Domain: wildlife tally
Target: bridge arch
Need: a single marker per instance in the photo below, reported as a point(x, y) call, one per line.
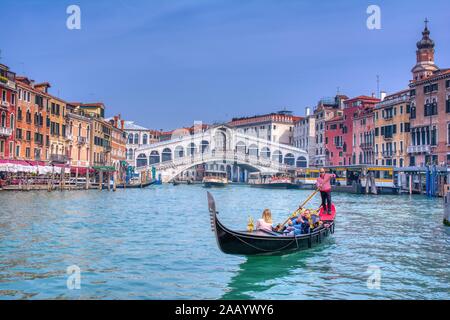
point(277, 156)
point(141, 160)
point(301, 162)
point(253, 150)
point(191, 149)
point(265, 153)
point(241, 147)
point(289, 159)
point(179, 152)
point(154, 157)
point(204, 146)
point(166, 155)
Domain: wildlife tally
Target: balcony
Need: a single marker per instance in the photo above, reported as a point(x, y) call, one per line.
point(419, 149)
point(5, 132)
point(388, 137)
point(81, 140)
point(107, 148)
point(58, 158)
point(387, 154)
point(69, 137)
point(366, 146)
point(4, 104)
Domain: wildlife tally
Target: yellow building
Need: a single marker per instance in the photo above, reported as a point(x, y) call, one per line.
point(101, 134)
point(392, 130)
point(79, 139)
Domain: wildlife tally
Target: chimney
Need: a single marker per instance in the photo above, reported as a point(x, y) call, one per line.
point(383, 95)
point(122, 124)
point(308, 111)
point(116, 118)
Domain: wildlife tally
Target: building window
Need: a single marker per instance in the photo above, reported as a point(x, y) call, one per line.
point(413, 112)
point(430, 109)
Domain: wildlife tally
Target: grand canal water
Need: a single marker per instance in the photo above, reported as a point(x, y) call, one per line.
point(156, 243)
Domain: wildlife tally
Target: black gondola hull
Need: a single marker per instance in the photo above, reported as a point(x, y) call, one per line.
point(258, 242)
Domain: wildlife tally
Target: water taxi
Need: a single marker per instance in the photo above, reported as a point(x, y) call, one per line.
point(215, 179)
point(270, 180)
point(352, 179)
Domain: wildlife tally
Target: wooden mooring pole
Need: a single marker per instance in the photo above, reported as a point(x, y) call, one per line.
point(447, 205)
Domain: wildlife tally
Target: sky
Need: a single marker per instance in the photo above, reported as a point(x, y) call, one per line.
point(167, 63)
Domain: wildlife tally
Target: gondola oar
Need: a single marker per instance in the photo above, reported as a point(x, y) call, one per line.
point(280, 227)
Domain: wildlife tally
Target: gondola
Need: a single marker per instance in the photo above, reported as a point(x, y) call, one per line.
point(261, 242)
point(135, 185)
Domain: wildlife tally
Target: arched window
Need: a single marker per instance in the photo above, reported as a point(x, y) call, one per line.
point(79, 129)
point(253, 150)
point(265, 153)
point(166, 155)
point(241, 148)
point(277, 156)
point(145, 139)
point(141, 160)
point(11, 121)
point(301, 162)
point(204, 146)
point(70, 127)
point(154, 157)
point(136, 138)
point(179, 152)
point(3, 119)
point(289, 159)
point(192, 149)
point(130, 138)
point(88, 134)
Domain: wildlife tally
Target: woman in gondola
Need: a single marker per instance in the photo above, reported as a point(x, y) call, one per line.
point(265, 223)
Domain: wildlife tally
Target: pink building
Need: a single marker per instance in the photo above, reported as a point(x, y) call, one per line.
point(364, 137)
point(334, 150)
point(353, 107)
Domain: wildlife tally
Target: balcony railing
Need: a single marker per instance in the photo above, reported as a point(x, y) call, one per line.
point(81, 140)
point(4, 104)
point(419, 149)
point(366, 145)
point(58, 158)
point(5, 131)
point(388, 154)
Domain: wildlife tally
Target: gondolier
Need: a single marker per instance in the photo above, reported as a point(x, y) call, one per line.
point(324, 185)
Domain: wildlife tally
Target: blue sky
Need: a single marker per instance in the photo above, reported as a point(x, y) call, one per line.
point(166, 63)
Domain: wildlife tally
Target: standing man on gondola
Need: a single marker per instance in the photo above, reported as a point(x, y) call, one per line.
point(324, 186)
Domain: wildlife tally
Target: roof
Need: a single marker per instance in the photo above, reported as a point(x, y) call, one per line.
point(130, 125)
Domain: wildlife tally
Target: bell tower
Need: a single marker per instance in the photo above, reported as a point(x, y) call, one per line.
point(425, 66)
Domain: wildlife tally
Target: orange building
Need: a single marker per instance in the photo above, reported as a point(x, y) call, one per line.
point(32, 130)
point(56, 121)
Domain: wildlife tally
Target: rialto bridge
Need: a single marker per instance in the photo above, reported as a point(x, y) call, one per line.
point(219, 148)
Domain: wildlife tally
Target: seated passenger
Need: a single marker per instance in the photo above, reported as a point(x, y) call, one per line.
point(265, 223)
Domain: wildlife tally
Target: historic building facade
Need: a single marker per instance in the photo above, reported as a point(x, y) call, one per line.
point(430, 107)
point(392, 130)
point(305, 134)
point(353, 107)
point(7, 111)
point(137, 137)
point(79, 137)
point(276, 127)
point(327, 109)
point(364, 137)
